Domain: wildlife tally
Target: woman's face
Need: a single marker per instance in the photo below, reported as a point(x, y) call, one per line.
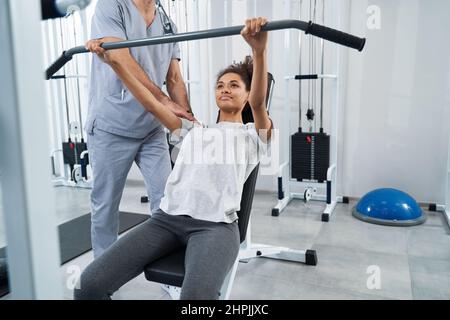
point(231, 95)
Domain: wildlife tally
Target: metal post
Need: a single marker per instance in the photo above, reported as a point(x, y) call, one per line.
point(322, 68)
point(447, 200)
point(287, 109)
point(33, 247)
point(335, 107)
point(60, 121)
point(300, 36)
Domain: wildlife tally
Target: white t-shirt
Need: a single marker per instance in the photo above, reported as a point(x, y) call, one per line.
point(212, 166)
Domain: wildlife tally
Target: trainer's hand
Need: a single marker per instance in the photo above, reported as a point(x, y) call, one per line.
point(94, 46)
point(180, 112)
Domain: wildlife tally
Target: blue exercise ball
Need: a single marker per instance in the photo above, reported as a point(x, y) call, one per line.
point(389, 207)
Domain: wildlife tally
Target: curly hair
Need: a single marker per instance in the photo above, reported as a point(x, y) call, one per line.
point(244, 69)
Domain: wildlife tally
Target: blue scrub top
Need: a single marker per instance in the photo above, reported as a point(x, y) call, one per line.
point(112, 108)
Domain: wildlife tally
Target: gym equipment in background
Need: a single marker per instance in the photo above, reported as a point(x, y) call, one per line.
point(75, 155)
point(310, 151)
point(70, 158)
point(311, 159)
point(326, 33)
point(389, 207)
point(52, 9)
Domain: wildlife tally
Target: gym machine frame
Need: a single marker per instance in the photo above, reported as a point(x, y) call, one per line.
point(444, 208)
point(248, 250)
point(70, 159)
point(286, 183)
point(447, 200)
point(285, 195)
point(28, 198)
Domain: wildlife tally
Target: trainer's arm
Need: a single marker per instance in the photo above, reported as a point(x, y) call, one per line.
point(143, 95)
point(126, 61)
point(176, 86)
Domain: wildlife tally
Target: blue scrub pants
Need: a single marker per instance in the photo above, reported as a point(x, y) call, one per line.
point(111, 157)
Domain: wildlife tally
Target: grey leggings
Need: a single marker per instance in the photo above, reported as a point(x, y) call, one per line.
point(211, 251)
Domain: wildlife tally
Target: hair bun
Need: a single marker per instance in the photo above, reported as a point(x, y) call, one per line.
point(248, 64)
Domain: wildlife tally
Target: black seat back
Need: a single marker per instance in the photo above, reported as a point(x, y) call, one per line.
point(246, 203)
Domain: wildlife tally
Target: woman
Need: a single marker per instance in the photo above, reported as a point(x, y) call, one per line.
point(204, 190)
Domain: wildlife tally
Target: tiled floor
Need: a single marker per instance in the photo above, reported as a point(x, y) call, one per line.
point(413, 263)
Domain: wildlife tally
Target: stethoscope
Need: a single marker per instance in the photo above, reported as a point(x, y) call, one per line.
point(165, 20)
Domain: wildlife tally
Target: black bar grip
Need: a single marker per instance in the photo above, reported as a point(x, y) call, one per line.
point(337, 36)
point(57, 65)
point(307, 77)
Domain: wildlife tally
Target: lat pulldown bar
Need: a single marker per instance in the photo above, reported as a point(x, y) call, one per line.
point(320, 31)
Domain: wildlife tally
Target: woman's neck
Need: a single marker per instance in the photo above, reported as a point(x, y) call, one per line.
point(230, 117)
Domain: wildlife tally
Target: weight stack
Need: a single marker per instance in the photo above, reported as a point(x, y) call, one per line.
point(310, 156)
point(69, 152)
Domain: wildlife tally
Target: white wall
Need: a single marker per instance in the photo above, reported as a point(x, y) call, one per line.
point(398, 99)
